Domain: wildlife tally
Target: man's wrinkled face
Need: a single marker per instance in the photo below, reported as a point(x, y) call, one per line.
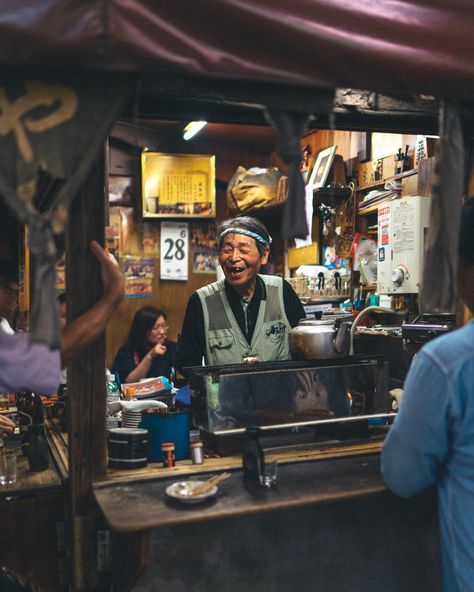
point(240, 260)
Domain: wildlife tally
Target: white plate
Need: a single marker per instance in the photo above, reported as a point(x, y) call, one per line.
point(174, 491)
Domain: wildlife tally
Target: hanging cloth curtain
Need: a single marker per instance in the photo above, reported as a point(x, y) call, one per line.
point(438, 291)
point(52, 125)
point(291, 127)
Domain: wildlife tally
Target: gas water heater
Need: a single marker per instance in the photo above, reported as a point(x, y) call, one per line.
point(402, 226)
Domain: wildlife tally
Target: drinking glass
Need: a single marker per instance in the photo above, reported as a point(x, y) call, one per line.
point(8, 467)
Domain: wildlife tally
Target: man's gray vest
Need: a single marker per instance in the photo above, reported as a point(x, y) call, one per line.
point(225, 342)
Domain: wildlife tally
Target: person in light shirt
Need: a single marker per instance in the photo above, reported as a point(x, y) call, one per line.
point(25, 365)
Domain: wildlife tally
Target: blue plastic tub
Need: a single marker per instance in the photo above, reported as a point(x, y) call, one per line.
point(170, 427)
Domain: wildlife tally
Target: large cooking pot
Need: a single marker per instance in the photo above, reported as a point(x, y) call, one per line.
point(316, 340)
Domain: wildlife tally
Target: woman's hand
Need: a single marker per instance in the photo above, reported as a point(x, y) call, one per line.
point(158, 350)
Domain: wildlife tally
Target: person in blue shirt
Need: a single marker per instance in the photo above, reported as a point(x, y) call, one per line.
point(432, 438)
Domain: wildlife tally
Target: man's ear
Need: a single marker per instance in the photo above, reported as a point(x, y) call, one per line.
point(264, 258)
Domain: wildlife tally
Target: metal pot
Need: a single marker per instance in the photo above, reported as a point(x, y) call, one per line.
point(315, 340)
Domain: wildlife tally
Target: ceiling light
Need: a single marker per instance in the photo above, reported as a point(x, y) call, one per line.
point(193, 128)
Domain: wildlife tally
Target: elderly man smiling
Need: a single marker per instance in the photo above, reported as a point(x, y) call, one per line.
point(245, 317)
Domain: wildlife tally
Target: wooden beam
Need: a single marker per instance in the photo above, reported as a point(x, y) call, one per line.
point(86, 377)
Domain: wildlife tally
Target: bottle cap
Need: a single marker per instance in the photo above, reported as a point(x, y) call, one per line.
point(167, 446)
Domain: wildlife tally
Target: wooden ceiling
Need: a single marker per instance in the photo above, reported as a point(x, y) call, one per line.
point(254, 138)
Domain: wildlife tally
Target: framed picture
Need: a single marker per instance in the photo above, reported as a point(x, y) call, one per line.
point(121, 190)
point(321, 168)
point(178, 185)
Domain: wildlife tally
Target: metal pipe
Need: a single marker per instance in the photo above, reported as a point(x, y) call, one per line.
point(297, 424)
point(362, 314)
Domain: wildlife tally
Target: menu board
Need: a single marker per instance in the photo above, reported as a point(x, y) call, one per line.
point(178, 185)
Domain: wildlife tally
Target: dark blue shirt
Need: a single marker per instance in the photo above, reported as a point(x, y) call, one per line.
point(124, 362)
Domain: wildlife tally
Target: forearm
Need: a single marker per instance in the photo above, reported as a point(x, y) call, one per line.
point(141, 370)
point(85, 330)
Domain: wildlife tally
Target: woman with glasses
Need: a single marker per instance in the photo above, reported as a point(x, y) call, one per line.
point(147, 352)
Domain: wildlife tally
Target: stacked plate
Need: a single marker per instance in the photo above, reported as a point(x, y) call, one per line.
point(131, 419)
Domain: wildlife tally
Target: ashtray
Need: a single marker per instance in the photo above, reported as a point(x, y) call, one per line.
point(188, 492)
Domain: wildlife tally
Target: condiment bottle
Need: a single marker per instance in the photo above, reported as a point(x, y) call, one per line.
point(167, 451)
point(197, 452)
point(130, 392)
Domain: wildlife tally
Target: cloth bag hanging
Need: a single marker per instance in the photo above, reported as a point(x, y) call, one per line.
point(254, 188)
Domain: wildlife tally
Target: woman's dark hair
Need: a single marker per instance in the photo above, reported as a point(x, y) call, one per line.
point(248, 223)
point(142, 324)
point(466, 233)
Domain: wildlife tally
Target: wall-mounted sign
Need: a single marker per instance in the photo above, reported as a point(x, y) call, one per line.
point(138, 273)
point(204, 247)
point(308, 255)
point(174, 247)
point(178, 185)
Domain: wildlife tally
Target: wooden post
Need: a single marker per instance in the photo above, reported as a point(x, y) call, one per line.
point(86, 379)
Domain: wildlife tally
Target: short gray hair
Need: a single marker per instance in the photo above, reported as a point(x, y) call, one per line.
point(248, 223)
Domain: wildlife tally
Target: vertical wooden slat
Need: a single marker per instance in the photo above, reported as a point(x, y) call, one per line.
point(86, 377)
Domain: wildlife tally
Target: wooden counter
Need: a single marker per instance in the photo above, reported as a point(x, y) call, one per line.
point(305, 476)
point(32, 483)
point(31, 516)
point(330, 524)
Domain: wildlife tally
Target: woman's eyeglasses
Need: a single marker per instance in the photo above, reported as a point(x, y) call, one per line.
point(163, 326)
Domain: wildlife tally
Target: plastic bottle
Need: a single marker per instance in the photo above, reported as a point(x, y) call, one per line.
point(113, 396)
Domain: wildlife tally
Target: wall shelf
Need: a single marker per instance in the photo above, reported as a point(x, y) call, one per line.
point(376, 184)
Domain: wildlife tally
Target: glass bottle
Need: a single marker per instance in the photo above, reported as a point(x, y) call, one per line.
point(38, 458)
point(30, 410)
point(253, 460)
